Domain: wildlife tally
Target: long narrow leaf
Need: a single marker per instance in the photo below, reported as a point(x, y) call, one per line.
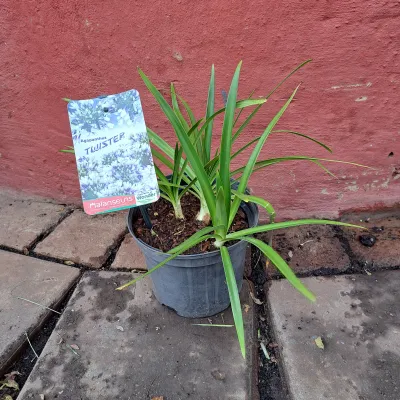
point(234, 298)
point(325, 169)
point(171, 185)
point(185, 142)
point(199, 234)
point(163, 182)
point(281, 265)
point(221, 214)
point(304, 136)
point(187, 244)
point(226, 139)
point(246, 122)
point(245, 147)
point(287, 77)
point(177, 159)
point(254, 155)
point(160, 143)
point(241, 110)
point(188, 188)
point(258, 200)
point(251, 116)
point(175, 107)
point(239, 104)
point(286, 224)
point(162, 158)
point(167, 149)
point(209, 112)
point(188, 109)
point(265, 163)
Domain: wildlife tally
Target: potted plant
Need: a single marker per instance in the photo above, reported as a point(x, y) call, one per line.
point(205, 283)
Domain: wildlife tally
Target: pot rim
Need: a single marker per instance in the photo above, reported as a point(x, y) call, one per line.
point(134, 210)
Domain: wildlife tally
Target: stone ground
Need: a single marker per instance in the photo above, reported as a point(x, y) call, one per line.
point(358, 321)
point(124, 345)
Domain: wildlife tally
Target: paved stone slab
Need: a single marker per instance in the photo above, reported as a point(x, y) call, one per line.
point(41, 281)
point(22, 221)
point(386, 252)
point(358, 319)
point(129, 256)
point(84, 239)
point(309, 249)
point(131, 347)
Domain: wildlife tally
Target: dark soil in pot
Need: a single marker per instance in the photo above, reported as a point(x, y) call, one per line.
point(170, 231)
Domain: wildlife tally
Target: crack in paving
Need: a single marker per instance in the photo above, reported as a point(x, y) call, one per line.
point(113, 250)
point(271, 380)
point(24, 360)
point(30, 248)
point(83, 267)
point(356, 266)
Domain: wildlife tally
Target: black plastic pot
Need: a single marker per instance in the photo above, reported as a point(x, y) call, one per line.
point(194, 285)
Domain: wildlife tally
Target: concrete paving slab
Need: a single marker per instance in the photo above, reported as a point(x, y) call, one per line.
point(129, 256)
point(358, 319)
point(385, 252)
point(84, 239)
point(309, 249)
point(37, 280)
point(22, 221)
point(131, 347)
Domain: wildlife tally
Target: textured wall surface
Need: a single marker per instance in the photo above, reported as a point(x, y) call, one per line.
point(80, 49)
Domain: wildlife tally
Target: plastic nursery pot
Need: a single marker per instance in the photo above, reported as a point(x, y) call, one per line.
point(194, 285)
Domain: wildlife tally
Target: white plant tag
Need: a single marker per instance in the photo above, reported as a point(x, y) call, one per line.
point(113, 154)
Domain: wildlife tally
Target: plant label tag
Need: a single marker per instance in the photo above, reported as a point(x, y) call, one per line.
point(113, 155)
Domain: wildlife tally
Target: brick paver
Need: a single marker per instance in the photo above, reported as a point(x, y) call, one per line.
point(129, 256)
point(84, 239)
point(309, 249)
point(23, 221)
point(385, 252)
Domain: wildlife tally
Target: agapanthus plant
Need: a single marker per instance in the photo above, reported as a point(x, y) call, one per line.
point(183, 177)
point(210, 178)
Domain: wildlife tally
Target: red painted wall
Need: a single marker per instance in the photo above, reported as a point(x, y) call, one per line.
point(80, 49)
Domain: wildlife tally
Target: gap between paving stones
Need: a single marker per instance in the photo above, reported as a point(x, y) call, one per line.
point(112, 250)
point(28, 250)
point(82, 267)
point(356, 266)
point(85, 240)
point(271, 380)
point(24, 221)
point(43, 235)
point(23, 359)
